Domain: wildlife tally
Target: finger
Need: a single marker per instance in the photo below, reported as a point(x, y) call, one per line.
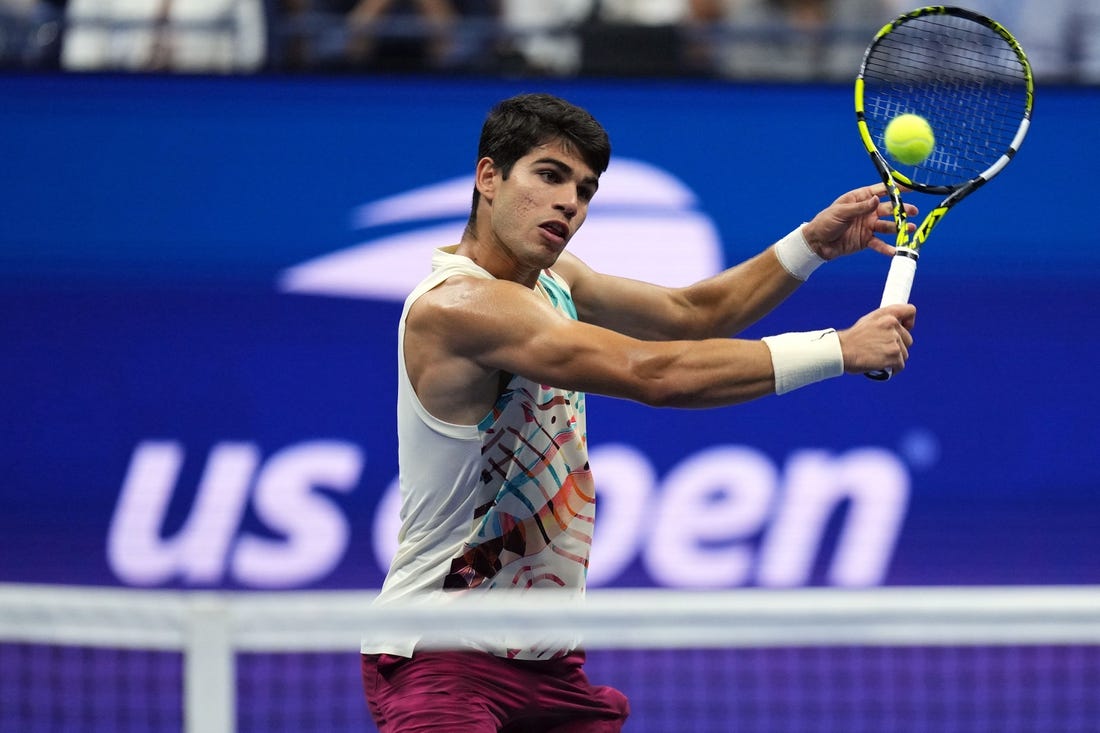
point(881, 247)
point(886, 208)
point(865, 203)
point(910, 318)
point(902, 312)
point(878, 190)
point(853, 210)
point(884, 226)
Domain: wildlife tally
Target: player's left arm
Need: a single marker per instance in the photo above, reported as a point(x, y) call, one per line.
point(722, 305)
point(729, 302)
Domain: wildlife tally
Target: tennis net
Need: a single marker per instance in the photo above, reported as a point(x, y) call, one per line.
point(894, 660)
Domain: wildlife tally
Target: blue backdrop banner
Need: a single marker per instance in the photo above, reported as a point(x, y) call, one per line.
point(200, 281)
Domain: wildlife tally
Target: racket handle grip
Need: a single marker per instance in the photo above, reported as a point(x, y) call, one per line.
point(899, 284)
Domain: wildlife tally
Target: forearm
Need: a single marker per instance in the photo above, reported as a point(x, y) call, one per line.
point(720, 372)
point(680, 373)
point(700, 374)
point(738, 297)
point(717, 307)
point(714, 372)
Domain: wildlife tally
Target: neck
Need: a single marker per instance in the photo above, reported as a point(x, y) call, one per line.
point(488, 252)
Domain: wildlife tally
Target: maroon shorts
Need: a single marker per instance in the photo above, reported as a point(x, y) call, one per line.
point(475, 692)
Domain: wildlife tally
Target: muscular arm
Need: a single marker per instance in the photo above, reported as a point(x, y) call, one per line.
point(736, 298)
point(723, 305)
point(461, 337)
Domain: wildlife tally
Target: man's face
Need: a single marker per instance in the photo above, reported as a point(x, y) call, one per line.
point(542, 203)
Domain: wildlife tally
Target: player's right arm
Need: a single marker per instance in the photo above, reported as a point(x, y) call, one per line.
point(461, 337)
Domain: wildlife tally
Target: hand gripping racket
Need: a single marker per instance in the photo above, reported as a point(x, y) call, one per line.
point(970, 79)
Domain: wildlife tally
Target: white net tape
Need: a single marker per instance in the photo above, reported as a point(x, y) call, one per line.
point(235, 660)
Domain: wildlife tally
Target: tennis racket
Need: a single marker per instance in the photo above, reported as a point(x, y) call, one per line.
point(970, 79)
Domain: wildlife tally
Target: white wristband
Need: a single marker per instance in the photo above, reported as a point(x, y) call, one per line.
point(795, 255)
point(803, 358)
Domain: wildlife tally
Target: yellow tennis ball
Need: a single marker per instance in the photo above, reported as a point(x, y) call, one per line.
point(909, 139)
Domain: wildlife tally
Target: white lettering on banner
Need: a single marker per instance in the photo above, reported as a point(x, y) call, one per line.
point(711, 506)
point(726, 516)
point(314, 531)
point(135, 550)
point(875, 485)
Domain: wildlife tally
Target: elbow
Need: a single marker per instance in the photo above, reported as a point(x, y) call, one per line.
point(656, 383)
point(691, 325)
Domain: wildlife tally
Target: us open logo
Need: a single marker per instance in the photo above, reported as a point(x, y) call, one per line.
point(644, 224)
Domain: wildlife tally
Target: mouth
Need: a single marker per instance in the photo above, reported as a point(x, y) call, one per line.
point(559, 230)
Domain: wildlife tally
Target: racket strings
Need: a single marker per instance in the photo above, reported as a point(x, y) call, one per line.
point(964, 77)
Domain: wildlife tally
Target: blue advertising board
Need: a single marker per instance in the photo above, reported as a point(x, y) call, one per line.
point(200, 281)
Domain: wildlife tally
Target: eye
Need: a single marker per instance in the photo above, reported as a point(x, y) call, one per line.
point(550, 175)
point(586, 192)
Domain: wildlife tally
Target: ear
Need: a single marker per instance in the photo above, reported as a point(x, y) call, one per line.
point(485, 178)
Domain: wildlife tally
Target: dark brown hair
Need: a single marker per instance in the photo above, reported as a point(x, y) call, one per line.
point(519, 124)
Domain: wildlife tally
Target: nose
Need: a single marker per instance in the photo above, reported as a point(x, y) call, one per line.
point(568, 203)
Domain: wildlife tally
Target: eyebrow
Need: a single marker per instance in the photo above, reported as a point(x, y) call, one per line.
point(593, 181)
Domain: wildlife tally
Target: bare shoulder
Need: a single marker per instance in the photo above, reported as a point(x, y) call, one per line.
point(465, 307)
point(446, 330)
point(462, 335)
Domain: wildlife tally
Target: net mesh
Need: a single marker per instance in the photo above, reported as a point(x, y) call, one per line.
point(311, 691)
point(906, 666)
point(47, 688)
point(858, 689)
point(964, 77)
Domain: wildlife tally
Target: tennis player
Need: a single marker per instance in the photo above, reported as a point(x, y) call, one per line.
point(497, 348)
